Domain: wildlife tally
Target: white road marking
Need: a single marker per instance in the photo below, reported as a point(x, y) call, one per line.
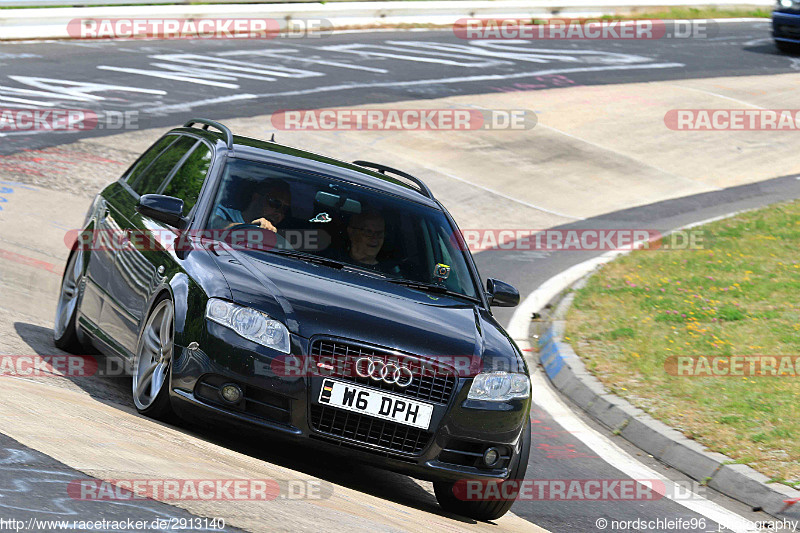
point(238, 67)
point(189, 75)
point(756, 42)
point(614, 456)
point(17, 456)
point(493, 53)
point(794, 63)
point(625, 156)
point(59, 90)
point(8, 101)
point(188, 106)
point(434, 81)
point(422, 56)
point(507, 197)
point(548, 399)
point(717, 95)
point(192, 68)
point(279, 54)
point(80, 90)
point(507, 50)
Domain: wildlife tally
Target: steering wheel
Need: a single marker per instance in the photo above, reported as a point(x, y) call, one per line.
point(244, 225)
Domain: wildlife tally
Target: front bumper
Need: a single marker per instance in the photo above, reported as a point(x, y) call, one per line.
point(288, 406)
point(786, 26)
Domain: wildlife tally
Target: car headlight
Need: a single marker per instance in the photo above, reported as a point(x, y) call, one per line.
point(251, 324)
point(500, 386)
point(785, 3)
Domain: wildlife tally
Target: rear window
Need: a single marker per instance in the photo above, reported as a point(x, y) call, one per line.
point(188, 180)
point(148, 157)
point(151, 179)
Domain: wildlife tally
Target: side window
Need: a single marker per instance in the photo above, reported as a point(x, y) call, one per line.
point(152, 178)
point(148, 157)
point(188, 180)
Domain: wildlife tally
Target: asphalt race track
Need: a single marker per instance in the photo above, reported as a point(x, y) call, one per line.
point(168, 82)
point(168, 79)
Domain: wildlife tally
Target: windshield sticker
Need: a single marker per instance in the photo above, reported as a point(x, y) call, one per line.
point(322, 217)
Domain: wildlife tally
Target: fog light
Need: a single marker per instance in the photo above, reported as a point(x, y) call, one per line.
point(491, 456)
point(231, 393)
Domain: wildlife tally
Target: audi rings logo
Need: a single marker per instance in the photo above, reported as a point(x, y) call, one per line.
point(390, 372)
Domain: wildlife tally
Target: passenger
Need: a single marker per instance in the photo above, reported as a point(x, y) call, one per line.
point(366, 233)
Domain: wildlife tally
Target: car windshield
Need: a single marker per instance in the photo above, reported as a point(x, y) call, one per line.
point(311, 217)
point(308, 216)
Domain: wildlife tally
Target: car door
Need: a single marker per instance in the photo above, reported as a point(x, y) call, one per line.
point(134, 270)
point(102, 249)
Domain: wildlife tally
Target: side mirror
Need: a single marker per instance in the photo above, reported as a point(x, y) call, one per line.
point(501, 294)
point(166, 209)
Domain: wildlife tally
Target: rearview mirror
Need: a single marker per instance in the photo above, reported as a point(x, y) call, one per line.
point(501, 294)
point(334, 201)
point(166, 209)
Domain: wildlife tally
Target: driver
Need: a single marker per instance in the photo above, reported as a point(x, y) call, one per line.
point(266, 209)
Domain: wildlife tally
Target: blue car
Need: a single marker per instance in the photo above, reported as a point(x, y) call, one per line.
point(786, 25)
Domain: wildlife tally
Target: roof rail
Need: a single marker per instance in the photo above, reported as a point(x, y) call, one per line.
point(206, 123)
point(383, 169)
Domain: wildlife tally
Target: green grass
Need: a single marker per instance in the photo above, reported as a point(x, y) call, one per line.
point(704, 13)
point(739, 296)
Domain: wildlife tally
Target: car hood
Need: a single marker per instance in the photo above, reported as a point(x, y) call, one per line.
point(318, 300)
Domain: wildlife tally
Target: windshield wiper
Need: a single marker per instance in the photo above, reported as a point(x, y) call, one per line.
point(430, 287)
point(318, 259)
point(309, 258)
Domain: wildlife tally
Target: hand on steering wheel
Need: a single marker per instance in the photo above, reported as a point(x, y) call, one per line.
point(263, 223)
point(242, 225)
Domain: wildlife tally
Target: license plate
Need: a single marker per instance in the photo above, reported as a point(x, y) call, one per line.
point(376, 403)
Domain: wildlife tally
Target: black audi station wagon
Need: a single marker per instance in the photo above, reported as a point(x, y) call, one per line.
point(329, 302)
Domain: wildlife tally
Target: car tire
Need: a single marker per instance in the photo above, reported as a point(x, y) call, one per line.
point(152, 363)
point(65, 333)
point(486, 509)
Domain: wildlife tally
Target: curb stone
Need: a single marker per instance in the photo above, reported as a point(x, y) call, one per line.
point(568, 374)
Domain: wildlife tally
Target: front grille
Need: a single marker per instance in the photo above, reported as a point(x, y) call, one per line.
point(432, 382)
point(369, 430)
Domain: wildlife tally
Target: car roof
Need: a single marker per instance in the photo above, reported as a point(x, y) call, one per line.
point(272, 152)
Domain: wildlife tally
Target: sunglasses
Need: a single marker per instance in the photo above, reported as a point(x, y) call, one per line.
point(277, 204)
